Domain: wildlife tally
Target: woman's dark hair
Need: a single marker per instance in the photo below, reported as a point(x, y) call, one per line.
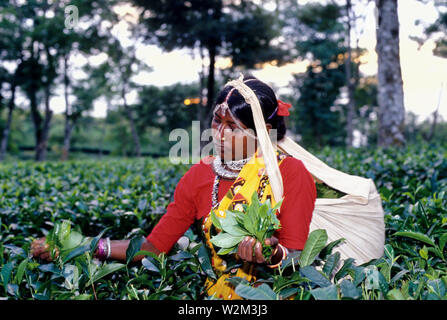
point(267, 100)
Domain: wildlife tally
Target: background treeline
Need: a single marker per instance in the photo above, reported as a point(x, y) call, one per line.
point(49, 49)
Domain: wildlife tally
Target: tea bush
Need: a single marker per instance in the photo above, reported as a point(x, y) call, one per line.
point(126, 198)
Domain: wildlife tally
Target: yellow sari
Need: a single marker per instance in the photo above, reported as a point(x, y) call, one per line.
point(251, 178)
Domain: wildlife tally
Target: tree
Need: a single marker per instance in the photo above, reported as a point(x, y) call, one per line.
point(40, 42)
point(117, 72)
point(349, 82)
point(365, 97)
point(240, 30)
point(11, 43)
point(319, 36)
point(83, 40)
point(390, 87)
point(85, 94)
point(6, 129)
point(164, 108)
point(437, 30)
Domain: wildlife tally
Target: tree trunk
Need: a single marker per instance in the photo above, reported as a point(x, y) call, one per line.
point(212, 51)
point(390, 89)
point(202, 107)
point(42, 141)
point(6, 130)
point(69, 123)
point(37, 119)
point(349, 81)
point(136, 139)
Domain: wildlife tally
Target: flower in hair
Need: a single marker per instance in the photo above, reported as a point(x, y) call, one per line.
point(283, 108)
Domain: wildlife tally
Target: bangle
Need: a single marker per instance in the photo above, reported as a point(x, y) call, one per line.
point(102, 255)
point(284, 255)
point(100, 250)
point(109, 248)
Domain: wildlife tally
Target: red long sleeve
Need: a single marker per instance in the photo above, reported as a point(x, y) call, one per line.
point(192, 200)
point(298, 204)
point(179, 216)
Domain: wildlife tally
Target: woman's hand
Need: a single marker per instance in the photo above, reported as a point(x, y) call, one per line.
point(251, 250)
point(40, 249)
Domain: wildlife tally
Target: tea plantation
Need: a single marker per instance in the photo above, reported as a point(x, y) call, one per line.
point(125, 199)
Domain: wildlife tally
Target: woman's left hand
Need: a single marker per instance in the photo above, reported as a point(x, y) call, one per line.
point(251, 250)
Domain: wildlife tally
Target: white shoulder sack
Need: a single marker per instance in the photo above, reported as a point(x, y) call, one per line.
point(358, 217)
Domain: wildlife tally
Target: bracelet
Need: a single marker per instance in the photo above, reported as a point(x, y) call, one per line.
point(100, 252)
point(284, 255)
point(104, 249)
point(109, 248)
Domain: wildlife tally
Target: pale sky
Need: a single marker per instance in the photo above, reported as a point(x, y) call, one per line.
point(423, 74)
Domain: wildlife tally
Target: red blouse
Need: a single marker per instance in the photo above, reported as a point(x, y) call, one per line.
point(192, 200)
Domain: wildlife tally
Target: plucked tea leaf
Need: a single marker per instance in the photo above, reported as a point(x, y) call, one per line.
point(235, 230)
point(215, 220)
point(259, 221)
point(226, 240)
point(224, 251)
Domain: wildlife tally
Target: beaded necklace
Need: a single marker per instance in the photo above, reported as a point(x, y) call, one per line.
point(222, 172)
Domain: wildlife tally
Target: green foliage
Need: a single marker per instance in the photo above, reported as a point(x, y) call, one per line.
point(438, 30)
point(314, 244)
point(124, 199)
point(258, 220)
point(319, 36)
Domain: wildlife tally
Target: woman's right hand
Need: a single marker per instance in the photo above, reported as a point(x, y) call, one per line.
point(40, 249)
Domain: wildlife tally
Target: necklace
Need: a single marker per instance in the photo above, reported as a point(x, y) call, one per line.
point(236, 165)
point(214, 195)
point(222, 172)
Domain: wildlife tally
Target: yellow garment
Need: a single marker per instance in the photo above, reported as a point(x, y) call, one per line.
point(251, 178)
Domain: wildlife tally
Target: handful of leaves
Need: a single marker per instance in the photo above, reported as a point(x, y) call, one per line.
point(258, 221)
